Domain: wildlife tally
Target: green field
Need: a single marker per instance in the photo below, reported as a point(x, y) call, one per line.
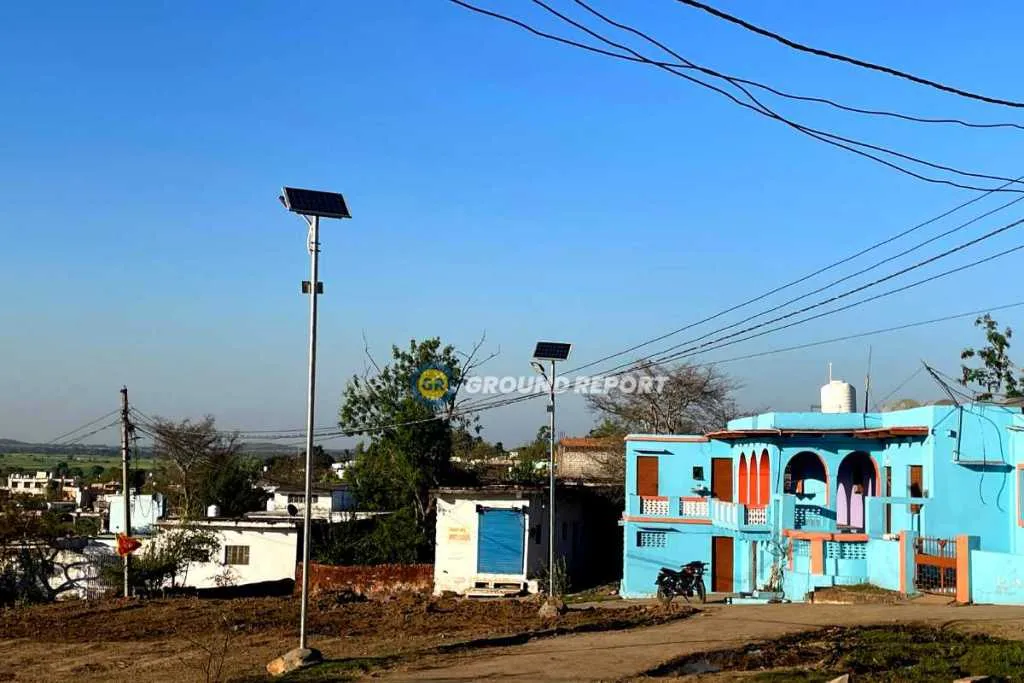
point(10, 462)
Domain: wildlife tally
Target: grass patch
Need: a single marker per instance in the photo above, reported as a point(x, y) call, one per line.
point(876, 653)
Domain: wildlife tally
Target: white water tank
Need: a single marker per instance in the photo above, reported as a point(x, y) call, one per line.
point(838, 397)
point(213, 511)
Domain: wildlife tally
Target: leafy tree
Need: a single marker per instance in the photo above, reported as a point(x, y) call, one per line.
point(997, 374)
point(388, 539)
point(290, 470)
point(96, 471)
point(409, 441)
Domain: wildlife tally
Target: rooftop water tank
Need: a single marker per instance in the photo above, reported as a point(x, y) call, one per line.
point(838, 397)
point(213, 511)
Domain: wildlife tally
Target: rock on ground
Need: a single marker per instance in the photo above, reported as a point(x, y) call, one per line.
point(294, 659)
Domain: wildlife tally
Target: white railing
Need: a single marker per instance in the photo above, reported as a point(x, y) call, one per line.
point(724, 513)
point(693, 507)
point(654, 506)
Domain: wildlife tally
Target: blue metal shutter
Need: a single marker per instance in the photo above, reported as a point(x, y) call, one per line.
point(500, 544)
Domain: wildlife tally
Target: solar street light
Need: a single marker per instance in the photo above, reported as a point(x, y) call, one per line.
point(551, 352)
point(312, 205)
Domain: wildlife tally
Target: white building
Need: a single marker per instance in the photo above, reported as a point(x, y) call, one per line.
point(251, 551)
point(40, 483)
point(494, 539)
point(146, 510)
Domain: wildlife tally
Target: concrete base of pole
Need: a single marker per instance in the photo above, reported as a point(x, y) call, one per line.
point(299, 658)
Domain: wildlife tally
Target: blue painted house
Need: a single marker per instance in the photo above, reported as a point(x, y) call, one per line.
point(926, 499)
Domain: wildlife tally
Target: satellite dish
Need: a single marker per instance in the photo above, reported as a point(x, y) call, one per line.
point(292, 510)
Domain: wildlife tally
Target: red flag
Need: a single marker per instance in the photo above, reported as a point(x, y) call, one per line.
point(126, 545)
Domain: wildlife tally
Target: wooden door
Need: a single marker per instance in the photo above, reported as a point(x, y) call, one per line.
point(721, 564)
point(721, 479)
point(647, 475)
point(916, 486)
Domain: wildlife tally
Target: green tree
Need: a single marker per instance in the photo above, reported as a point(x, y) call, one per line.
point(997, 373)
point(409, 440)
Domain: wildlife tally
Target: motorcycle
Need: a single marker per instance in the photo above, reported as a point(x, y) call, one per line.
point(687, 581)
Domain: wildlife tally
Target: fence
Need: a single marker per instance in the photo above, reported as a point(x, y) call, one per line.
point(368, 580)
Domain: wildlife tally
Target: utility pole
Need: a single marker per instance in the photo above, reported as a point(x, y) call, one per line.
point(125, 493)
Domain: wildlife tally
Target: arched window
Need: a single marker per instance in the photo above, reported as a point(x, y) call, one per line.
point(764, 485)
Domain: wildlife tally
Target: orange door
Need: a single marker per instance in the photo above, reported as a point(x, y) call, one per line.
point(721, 564)
point(647, 475)
point(721, 478)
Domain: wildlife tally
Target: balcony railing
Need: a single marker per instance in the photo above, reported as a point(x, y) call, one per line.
point(654, 506)
point(690, 506)
point(813, 517)
point(685, 507)
point(756, 515)
point(736, 515)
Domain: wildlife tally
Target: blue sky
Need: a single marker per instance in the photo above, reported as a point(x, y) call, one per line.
point(498, 183)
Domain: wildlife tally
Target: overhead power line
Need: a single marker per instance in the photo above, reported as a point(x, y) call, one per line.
point(685, 64)
point(761, 108)
point(849, 60)
point(85, 426)
point(758, 107)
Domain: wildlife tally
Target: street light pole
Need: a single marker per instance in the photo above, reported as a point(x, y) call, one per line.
point(314, 251)
point(551, 482)
point(551, 351)
point(312, 205)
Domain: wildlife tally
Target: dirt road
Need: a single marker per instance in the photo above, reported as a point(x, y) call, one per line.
point(625, 654)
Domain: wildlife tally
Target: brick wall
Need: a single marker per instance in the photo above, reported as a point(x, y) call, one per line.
point(368, 580)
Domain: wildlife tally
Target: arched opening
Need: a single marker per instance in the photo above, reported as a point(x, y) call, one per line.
point(763, 478)
point(856, 479)
point(752, 494)
point(742, 480)
point(805, 477)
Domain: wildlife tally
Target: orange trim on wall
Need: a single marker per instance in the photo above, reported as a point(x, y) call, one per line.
point(654, 497)
point(963, 570)
point(666, 438)
point(693, 498)
point(789, 555)
point(666, 520)
point(825, 536)
point(818, 557)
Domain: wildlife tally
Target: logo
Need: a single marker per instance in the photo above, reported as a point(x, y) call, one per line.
point(431, 384)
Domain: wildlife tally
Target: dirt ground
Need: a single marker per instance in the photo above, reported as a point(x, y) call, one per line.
point(171, 639)
point(630, 655)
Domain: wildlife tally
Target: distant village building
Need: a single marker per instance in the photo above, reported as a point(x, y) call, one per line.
point(589, 459)
point(331, 504)
point(146, 510)
point(42, 484)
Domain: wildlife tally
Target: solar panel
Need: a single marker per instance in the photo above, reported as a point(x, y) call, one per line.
point(315, 203)
point(551, 351)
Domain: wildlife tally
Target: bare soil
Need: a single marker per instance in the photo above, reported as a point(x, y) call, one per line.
point(170, 639)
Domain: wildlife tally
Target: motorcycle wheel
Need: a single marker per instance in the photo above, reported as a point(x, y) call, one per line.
point(664, 597)
point(701, 592)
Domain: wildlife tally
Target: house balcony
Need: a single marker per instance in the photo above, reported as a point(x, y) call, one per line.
point(670, 508)
point(797, 513)
point(738, 516)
